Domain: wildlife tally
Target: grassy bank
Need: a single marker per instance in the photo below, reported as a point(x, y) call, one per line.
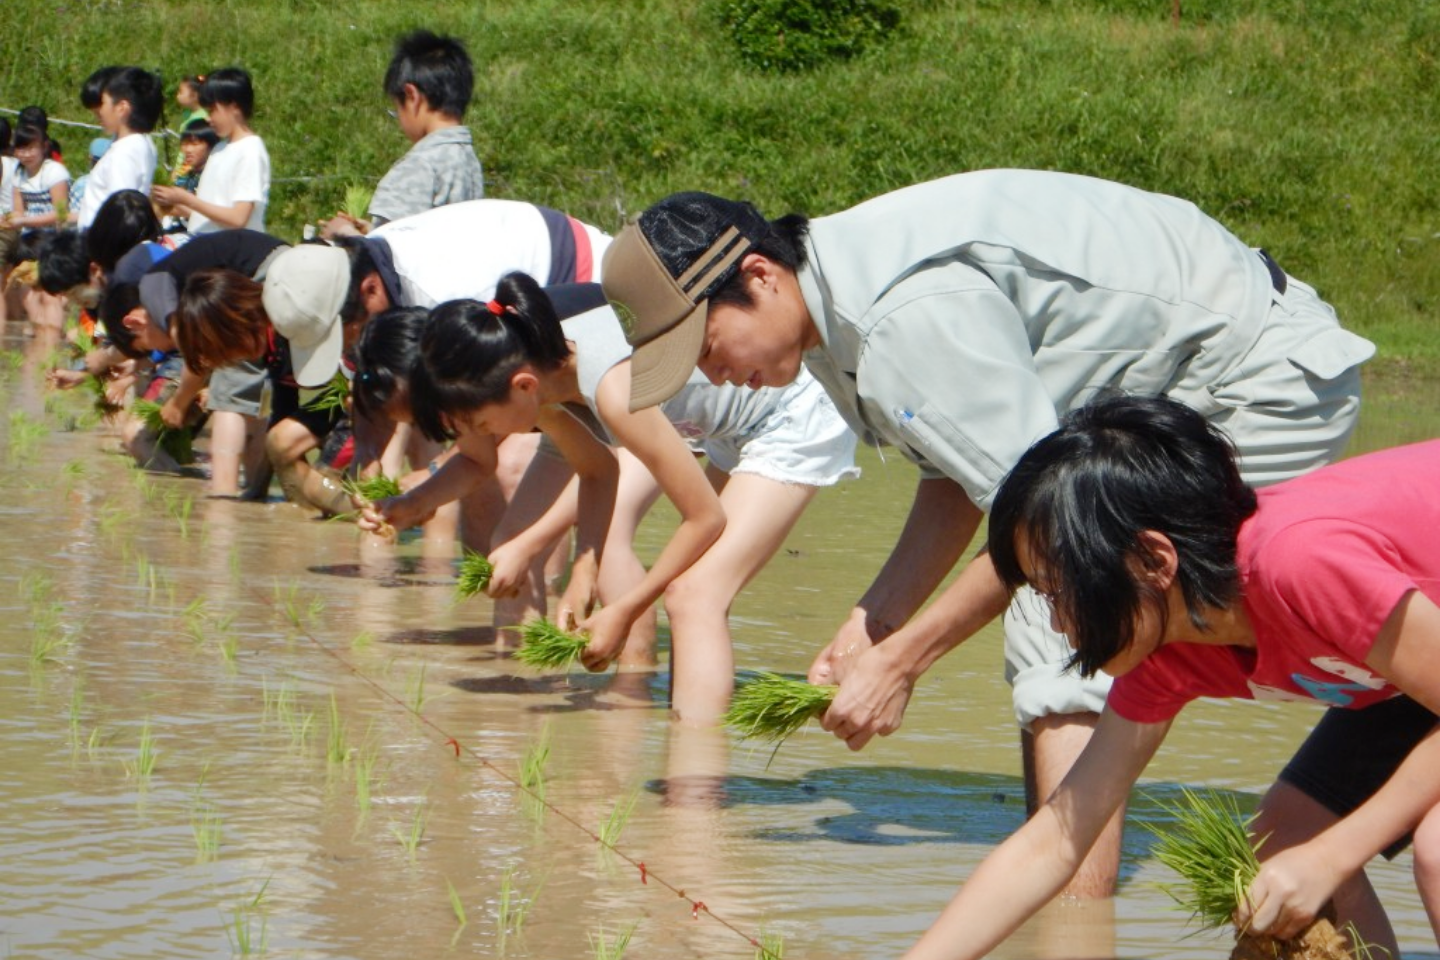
point(1308, 127)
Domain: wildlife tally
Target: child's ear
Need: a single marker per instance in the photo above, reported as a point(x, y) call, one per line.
point(525, 381)
point(1158, 559)
point(413, 96)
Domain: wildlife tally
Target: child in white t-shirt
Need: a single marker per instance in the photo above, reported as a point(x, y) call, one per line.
point(235, 187)
point(128, 109)
point(41, 185)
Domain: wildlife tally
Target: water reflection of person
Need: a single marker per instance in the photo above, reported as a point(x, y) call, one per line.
point(954, 320)
point(1167, 571)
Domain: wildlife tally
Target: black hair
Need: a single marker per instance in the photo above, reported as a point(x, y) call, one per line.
point(63, 262)
point(198, 129)
point(144, 92)
point(362, 265)
point(387, 349)
point(439, 68)
point(230, 86)
point(468, 352)
point(33, 116)
point(93, 88)
point(28, 133)
point(194, 82)
point(117, 301)
point(125, 220)
point(784, 243)
point(4, 137)
point(1081, 498)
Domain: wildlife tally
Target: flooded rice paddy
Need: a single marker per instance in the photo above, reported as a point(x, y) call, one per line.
point(229, 731)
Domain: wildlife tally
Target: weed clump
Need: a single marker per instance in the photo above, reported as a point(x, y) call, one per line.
point(788, 36)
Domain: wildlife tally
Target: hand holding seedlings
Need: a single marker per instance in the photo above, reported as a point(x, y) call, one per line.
point(772, 707)
point(546, 646)
point(365, 493)
point(474, 575)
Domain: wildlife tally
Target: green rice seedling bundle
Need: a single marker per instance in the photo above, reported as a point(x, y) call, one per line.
point(178, 443)
point(545, 646)
point(332, 396)
point(1209, 846)
point(473, 576)
point(357, 200)
point(371, 489)
point(771, 707)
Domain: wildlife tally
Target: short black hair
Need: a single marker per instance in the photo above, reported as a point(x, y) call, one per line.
point(144, 92)
point(63, 262)
point(783, 243)
point(33, 116)
point(468, 352)
point(124, 221)
point(1082, 496)
point(439, 68)
point(28, 133)
point(230, 86)
point(94, 87)
point(198, 129)
point(117, 301)
point(386, 352)
point(4, 136)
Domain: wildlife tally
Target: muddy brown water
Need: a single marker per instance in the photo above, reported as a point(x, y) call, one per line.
point(246, 837)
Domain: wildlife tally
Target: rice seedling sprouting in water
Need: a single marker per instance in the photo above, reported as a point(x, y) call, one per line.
point(241, 931)
point(178, 443)
point(614, 824)
point(144, 763)
point(545, 646)
point(770, 947)
point(771, 707)
point(513, 907)
point(337, 750)
point(473, 576)
point(411, 838)
point(206, 824)
point(1209, 846)
point(603, 948)
point(457, 907)
point(532, 775)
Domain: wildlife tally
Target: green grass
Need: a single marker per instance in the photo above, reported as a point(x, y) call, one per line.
point(337, 747)
point(1310, 129)
point(208, 828)
point(179, 443)
point(142, 766)
point(413, 835)
point(614, 824)
point(378, 487)
point(532, 775)
point(772, 947)
point(512, 906)
point(457, 907)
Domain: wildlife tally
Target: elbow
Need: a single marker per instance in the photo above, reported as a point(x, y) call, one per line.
point(712, 525)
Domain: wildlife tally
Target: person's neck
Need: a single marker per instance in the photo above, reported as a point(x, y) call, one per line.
point(562, 385)
point(1227, 626)
point(432, 121)
point(239, 133)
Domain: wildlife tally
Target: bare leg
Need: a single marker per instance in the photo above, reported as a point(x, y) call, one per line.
point(759, 514)
point(1050, 749)
point(544, 481)
point(1288, 817)
point(227, 446)
point(287, 443)
point(1427, 876)
point(621, 569)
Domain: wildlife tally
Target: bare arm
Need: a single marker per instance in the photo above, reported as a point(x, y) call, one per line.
point(598, 476)
point(1295, 884)
point(656, 444)
point(1026, 871)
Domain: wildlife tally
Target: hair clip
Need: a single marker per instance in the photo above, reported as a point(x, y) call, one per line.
point(494, 307)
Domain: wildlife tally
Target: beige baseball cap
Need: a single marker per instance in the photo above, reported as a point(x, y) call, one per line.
point(658, 276)
point(305, 288)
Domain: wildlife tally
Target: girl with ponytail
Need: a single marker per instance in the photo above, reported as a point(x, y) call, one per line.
point(557, 358)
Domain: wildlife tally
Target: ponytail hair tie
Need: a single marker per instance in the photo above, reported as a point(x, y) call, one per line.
point(494, 307)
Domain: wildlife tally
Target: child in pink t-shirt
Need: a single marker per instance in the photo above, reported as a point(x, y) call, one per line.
point(1131, 523)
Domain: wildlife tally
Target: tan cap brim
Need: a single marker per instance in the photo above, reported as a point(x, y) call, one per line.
point(660, 367)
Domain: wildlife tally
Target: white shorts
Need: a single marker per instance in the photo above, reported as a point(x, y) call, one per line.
point(1289, 406)
point(804, 441)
